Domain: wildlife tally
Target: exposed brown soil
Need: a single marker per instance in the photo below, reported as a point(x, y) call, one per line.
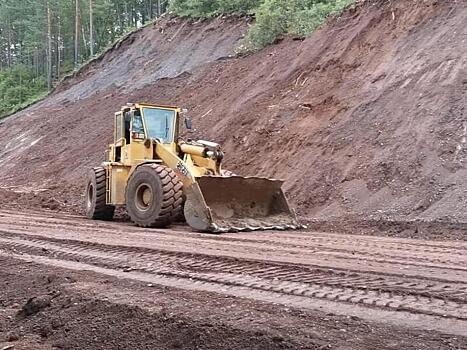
point(69, 283)
point(105, 313)
point(364, 120)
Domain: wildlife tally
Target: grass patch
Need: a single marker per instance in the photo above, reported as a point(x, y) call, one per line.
point(274, 18)
point(29, 102)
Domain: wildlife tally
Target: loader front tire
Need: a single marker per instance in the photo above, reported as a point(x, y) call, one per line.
point(154, 196)
point(96, 207)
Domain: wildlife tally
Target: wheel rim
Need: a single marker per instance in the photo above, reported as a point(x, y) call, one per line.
point(143, 197)
point(90, 195)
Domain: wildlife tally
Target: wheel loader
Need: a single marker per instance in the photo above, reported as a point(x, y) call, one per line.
point(161, 178)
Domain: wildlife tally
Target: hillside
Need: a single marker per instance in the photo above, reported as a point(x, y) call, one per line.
point(364, 118)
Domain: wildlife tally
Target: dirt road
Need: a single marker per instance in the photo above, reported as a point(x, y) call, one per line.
point(414, 285)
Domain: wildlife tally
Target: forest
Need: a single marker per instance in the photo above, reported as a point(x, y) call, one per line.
point(42, 40)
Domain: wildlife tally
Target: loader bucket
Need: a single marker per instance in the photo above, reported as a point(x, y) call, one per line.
point(229, 204)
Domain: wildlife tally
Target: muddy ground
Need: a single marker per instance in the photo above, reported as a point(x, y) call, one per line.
point(95, 312)
point(68, 283)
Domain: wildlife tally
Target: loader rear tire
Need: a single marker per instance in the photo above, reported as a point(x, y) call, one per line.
point(154, 196)
point(96, 207)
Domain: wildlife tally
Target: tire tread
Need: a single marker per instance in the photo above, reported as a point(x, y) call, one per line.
point(102, 211)
point(172, 192)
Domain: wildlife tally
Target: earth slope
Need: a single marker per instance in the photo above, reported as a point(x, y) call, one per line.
point(364, 119)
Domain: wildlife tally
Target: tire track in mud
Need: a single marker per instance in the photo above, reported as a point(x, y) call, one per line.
point(281, 239)
point(370, 290)
point(285, 238)
point(407, 251)
point(433, 268)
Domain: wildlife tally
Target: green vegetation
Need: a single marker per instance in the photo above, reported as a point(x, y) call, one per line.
point(211, 8)
point(42, 40)
point(19, 87)
point(295, 17)
point(274, 18)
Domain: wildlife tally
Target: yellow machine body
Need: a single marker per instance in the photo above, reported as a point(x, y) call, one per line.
point(213, 202)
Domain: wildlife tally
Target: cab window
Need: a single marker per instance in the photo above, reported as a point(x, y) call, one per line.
point(118, 126)
point(160, 124)
point(137, 126)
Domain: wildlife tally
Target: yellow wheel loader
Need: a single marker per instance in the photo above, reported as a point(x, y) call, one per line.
point(161, 178)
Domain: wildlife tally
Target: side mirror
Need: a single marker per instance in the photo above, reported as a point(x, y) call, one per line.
point(188, 123)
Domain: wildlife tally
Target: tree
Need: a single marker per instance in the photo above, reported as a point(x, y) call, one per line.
point(43, 39)
point(77, 30)
point(91, 34)
point(49, 47)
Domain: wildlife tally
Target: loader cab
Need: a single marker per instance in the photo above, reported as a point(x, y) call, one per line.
point(137, 123)
point(160, 123)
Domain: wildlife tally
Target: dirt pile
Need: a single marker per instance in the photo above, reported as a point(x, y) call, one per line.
point(364, 118)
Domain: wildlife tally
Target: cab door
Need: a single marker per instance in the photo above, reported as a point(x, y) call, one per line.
point(119, 140)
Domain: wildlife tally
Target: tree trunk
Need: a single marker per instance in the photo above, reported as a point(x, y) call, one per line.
point(120, 19)
point(59, 47)
point(20, 85)
point(127, 16)
point(83, 35)
point(49, 48)
point(77, 30)
point(91, 33)
point(9, 45)
point(36, 63)
point(143, 14)
point(2, 36)
point(134, 15)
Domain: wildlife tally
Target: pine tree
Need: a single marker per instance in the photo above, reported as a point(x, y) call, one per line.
point(40, 40)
